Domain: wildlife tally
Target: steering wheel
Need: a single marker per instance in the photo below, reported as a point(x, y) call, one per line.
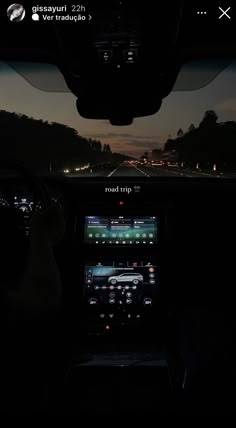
point(14, 244)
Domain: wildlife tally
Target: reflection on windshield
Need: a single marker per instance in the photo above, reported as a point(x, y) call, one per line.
point(194, 134)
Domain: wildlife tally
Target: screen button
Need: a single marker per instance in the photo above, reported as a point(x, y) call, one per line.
point(224, 13)
point(93, 301)
point(147, 301)
point(112, 294)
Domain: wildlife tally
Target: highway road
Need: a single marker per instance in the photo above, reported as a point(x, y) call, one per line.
point(132, 170)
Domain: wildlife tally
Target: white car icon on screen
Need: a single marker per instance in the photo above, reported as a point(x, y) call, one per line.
point(135, 278)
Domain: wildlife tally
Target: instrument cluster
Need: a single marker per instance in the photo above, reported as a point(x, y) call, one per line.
point(25, 203)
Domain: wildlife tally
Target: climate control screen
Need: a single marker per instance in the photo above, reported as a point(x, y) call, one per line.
point(121, 230)
point(121, 284)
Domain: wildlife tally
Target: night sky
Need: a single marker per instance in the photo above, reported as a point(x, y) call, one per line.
point(179, 110)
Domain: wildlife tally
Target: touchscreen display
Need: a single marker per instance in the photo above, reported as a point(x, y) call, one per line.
point(121, 230)
point(123, 283)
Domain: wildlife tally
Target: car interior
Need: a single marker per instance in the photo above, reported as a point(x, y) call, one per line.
point(124, 116)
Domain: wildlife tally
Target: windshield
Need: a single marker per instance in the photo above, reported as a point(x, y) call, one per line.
point(194, 133)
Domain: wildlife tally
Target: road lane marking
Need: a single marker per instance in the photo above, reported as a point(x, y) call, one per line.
point(144, 173)
point(113, 172)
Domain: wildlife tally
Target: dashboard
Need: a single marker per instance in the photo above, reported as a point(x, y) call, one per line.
point(113, 250)
point(127, 256)
point(124, 297)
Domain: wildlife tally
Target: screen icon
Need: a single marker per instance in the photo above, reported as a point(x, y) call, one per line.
point(202, 13)
point(224, 13)
point(35, 17)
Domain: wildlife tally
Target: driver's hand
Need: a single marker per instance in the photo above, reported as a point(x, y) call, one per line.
point(48, 226)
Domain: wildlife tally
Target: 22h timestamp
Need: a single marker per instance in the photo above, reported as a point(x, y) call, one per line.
point(78, 8)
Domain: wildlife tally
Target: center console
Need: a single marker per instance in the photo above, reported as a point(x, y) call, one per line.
point(119, 249)
point(121, 270)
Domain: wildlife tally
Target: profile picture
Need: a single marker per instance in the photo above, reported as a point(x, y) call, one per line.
point(16, 12)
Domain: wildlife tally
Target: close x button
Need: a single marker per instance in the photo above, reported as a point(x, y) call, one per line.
point(224, 13)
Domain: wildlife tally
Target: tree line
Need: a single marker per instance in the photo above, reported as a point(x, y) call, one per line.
point(37, 143)
point(211, 142)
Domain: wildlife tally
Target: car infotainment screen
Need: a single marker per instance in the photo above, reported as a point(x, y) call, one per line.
point(121, 230)
point(122, 283)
